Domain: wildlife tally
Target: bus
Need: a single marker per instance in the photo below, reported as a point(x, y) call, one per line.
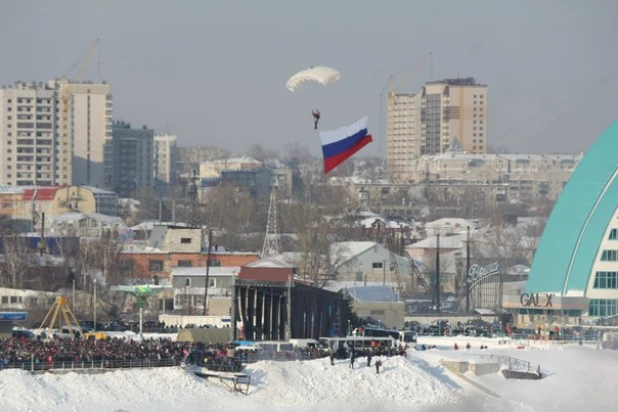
point(402, 337)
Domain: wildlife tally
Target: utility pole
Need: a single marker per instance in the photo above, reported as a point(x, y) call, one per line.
point(438, 273)
point(205, 312)
point(94, 307)
point(467, 269)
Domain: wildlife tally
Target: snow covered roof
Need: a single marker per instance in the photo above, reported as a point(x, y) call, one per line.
point(136, 248)
point(279, 261)
point(72, 217)
point(201, 271)
point(98, 190)
point(373, 293)
point(149, 225)
point(446, 242)
point(240, 159)
point(342, 252)
point(457, 223)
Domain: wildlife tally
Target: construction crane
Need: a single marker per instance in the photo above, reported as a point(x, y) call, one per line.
point(82, 65)
point(394, 264)
point(411, 71)
point(416, 275)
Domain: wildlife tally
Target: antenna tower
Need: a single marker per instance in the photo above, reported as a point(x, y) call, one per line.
point(271, 239)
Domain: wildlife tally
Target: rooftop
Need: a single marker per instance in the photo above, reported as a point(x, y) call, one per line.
point(201, 271)
point(460, 81)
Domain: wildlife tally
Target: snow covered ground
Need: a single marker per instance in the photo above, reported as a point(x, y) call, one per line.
point(576, 378)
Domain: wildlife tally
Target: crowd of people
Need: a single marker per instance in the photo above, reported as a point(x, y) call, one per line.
point(39, 351)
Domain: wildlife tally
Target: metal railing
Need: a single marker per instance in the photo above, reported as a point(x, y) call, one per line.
point(513, 363)
point(32, 365)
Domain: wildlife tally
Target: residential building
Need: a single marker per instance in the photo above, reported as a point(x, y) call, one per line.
point(148, 263)
point(85, 125)
point(255, 182)
point(12, 218)
point(84, 199)
point(94, 225)
point(213, 168)
point(189, 285)
point(475, 180)
point(404, 131)
point(176, 239)
point(165, 161)
point(129, 159)
point(444, 113)
point(37, 202)
point(170, 246)
point(29, 153)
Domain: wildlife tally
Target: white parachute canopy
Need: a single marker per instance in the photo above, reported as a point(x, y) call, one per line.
point(320, 74)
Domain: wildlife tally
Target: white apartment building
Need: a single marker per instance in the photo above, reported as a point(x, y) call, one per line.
point(165, 160)
point(429, 122)
point(403, 131)
point(28, 149)
point(85, 124)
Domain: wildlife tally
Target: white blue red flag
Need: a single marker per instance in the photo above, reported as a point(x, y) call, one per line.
point(339, 145)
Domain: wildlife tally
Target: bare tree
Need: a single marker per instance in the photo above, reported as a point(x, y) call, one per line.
point(18, 260)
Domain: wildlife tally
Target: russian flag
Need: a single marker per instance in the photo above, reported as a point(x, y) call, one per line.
point(339, 145)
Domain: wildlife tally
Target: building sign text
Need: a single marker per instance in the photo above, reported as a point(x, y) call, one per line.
point(478, 272)
point(536, 300)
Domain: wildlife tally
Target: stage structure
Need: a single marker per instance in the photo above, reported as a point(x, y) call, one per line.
point(271, 305)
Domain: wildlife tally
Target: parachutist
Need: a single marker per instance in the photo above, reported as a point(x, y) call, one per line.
point(316, 118)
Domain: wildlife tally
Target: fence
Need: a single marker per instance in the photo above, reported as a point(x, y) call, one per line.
point(31, 365)
point(512, 363)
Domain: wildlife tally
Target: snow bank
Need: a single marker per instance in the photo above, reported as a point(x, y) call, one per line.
point(575, 378)
point(276, 386)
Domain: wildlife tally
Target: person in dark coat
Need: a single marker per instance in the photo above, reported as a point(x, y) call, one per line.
point(369, 359)
point(378, 364)
point(352, 358)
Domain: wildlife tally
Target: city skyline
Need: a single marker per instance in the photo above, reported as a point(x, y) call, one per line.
point(214, 73)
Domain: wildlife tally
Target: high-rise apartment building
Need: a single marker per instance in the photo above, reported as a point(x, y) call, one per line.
point(443, 113)
point(129, 159)
point(28, 150)
point(85, 124)
point(54, 133)
point(165, 160)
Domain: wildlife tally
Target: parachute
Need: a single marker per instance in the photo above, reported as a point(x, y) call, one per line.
point(320, 74)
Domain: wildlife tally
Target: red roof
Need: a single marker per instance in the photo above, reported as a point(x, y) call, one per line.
point(42, 194)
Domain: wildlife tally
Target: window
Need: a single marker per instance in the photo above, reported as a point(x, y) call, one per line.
point(214, 262)
point(156, 266)
point(376, 312)
point(377, 265)
point(613, 234)
point(185, 263)
point(127, 265)
point(606, 280)
point(5, 299)
point(603, 307)
point(185, 240)
point(187, 282)
point(609, 255)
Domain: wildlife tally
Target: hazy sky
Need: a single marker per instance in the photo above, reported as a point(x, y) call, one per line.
point(215, 71)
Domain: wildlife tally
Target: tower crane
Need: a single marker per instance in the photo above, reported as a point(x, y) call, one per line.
point(64, 90)
point(411, 71)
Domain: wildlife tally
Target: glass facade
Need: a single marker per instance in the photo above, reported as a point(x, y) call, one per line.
point(603, 307)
